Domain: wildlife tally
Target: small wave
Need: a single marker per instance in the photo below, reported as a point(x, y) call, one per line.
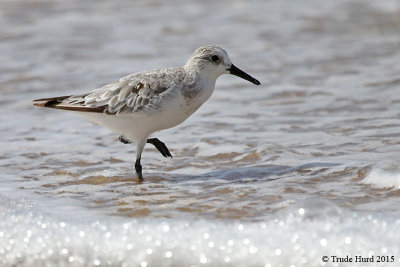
point(383, 178)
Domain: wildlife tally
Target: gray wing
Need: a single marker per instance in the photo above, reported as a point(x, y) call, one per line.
point(133, 93)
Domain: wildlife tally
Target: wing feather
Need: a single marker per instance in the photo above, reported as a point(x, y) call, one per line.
point(132, 93)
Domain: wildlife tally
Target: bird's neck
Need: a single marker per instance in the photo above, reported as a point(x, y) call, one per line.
point(199, 84)
point(197, 72)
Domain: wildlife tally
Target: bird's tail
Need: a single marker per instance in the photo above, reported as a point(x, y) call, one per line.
point(59, 103)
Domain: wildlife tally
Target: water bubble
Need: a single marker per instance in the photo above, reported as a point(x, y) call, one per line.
point(301, 211)
point(203, 258)
point(253, 250)
point(166, 228)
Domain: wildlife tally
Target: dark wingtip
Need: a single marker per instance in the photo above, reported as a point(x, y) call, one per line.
point(39, 104)
point(49, 102)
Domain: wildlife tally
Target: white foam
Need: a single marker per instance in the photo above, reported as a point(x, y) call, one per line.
point(299, 237)
point(383, 178)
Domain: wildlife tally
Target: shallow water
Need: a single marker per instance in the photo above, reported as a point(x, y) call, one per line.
point(304, 166)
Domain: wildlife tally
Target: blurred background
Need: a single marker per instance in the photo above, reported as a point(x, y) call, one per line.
point(304, 166)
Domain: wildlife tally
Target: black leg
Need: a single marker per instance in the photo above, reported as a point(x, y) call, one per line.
point(154, 141)
point(122, 139)
point(138, 168)
point(160, 146)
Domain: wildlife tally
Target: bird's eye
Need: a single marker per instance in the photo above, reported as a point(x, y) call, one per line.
point(215, 58)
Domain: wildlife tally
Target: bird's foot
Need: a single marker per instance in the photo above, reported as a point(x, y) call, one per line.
point(160, 146)
point(123, 140)
point(138, 169)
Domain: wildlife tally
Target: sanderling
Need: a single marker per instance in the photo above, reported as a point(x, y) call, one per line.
point(142, 103)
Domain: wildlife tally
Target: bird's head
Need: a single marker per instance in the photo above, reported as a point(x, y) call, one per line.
point(214, 61)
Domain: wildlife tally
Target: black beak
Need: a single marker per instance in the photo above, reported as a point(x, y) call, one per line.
point(238, 72)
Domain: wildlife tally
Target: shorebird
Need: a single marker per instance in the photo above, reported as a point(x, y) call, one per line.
point(142, 103)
